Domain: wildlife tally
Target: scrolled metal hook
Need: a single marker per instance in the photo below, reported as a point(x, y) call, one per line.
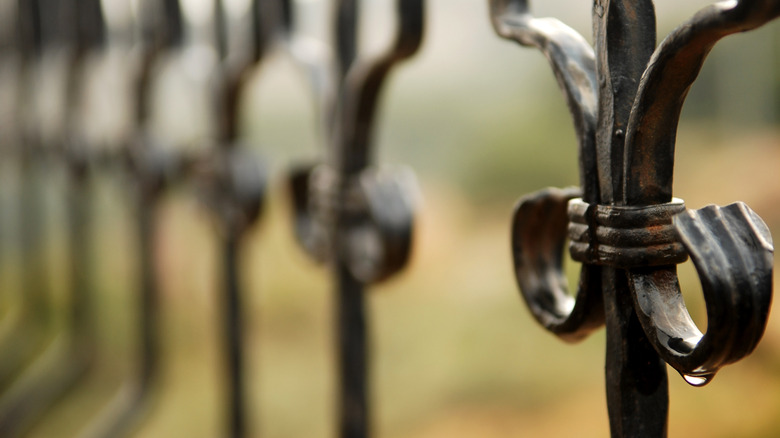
point(731, 247)
point(674, 66)
point(539, 223)
point(236, 176)
point(233, 183)
point(363, 83)
point(732, 250)
point(539, 231)
point(380, 242)
point(574, 64)
point(380, 206)
point(376, 204)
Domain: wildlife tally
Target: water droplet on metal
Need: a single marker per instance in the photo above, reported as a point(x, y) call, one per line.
point(698, 379)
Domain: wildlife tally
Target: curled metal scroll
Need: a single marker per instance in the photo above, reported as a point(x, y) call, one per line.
point(232, 175)
point(363, 83)
point(539, 231)
point(652, 128)
point(539, 220)
point(381, 204)
point(732, 250)
point(379, 201)
point(574, 64)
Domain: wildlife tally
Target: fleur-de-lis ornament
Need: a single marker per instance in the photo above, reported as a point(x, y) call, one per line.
point(623, 223)
point(353, 216)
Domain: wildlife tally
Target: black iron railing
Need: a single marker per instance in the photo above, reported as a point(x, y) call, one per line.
point(624, 94)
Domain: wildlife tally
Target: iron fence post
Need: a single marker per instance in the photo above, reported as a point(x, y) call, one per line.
point(348, 213)
point(233, 180)
point(623, 224)
point(157, 31)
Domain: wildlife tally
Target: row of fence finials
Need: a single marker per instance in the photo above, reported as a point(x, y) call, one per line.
point(624, 95)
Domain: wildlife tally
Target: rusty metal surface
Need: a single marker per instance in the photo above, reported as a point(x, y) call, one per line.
point(623, 224)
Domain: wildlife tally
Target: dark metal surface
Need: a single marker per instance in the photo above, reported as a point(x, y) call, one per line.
point(625, 98)
point(348, 213)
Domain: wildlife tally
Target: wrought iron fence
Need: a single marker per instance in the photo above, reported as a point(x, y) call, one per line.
point(355, 216)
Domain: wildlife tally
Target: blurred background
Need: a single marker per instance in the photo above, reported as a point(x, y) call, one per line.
point(455, 353)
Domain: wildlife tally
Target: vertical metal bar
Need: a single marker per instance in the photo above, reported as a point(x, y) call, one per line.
point(158, 29)
point(346, 29)
point(236, 183)
point(161, 30)
point(637, 394)
point(233, 326)
point(636, 380)
point(227, 97)
point(352, 321)
point(286, 13)
point(149, 306)
point(344, 204)
point(354, 408)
